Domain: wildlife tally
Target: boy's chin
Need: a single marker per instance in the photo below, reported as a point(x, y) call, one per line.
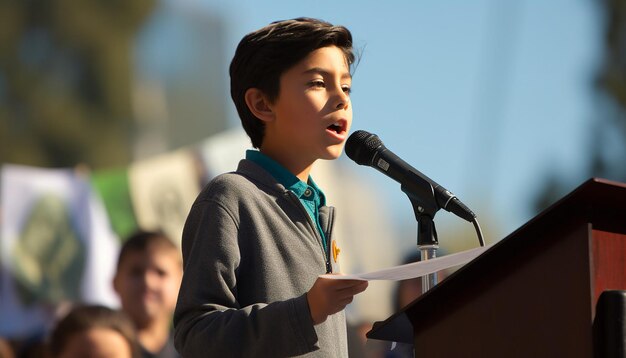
point(333, 153)
point(330, 157)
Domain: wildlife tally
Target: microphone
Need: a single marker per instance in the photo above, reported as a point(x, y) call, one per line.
point(367, 149)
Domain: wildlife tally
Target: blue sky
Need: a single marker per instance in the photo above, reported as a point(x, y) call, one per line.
point(486, 97)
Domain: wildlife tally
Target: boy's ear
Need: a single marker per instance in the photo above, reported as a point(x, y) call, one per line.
point(259, 105)
point(116, 283)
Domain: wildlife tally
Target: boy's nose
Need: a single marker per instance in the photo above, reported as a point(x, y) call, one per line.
point(343, 100)
point(150, 279)
point(342, 105)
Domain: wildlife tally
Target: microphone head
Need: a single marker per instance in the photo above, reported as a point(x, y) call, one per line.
point(361, 147)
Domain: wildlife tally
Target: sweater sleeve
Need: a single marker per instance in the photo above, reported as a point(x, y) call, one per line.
point(209, 320)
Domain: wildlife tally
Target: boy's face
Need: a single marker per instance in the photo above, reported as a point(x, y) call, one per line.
point(97, 343)
point(148, 283)
point(312, 113)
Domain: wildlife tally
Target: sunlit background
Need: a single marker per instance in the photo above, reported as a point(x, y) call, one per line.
point(509, 104)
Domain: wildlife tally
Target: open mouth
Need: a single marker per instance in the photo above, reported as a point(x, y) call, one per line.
point(338, 127)
point(335, 128)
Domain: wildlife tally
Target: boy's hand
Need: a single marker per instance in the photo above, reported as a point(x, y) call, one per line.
point(329, 296)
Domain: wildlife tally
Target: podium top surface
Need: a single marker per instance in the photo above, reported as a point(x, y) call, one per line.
point(597, 201)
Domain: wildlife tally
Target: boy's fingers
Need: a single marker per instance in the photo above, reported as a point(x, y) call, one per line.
point(342, 284)
point(351, 291)
point(357, 287)
point(362, 287)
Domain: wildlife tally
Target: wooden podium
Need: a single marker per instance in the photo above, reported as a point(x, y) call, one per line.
point(534, 293)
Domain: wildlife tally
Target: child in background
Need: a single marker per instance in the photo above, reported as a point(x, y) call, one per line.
point(95, 332)
point(6, 351)
point(257, 240)
point(147, 280)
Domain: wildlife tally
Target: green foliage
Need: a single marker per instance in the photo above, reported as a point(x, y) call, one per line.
point(65, 80)
point(611, 84)
point(607, 145)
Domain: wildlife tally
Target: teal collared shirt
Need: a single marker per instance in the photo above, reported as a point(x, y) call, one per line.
point(310, 195)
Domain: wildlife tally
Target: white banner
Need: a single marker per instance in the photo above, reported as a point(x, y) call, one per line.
point(52, 228)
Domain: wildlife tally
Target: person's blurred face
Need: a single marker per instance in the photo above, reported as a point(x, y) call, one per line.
point(148, 283)
point(97, 343)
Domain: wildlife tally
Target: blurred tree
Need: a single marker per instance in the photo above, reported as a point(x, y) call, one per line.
point(608, 129)
point(65, 80)
point(611, 85)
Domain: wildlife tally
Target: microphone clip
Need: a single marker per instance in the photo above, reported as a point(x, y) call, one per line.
point(424, 215)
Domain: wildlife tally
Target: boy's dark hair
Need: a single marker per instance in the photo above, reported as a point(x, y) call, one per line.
point(141, 241)
point(83, 318)
point(262, 56)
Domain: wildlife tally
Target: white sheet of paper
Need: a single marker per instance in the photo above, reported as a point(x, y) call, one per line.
point(415, 269)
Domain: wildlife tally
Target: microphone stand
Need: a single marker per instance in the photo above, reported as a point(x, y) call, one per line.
point(427, 242)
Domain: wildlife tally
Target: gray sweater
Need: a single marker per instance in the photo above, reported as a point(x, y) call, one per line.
point(250, 254)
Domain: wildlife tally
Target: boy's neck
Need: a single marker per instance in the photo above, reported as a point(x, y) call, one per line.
point(296, 166)
point(154, 335)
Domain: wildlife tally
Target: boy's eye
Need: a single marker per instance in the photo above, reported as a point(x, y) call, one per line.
point(346, 89)
point(317, 83)
point(136, 271)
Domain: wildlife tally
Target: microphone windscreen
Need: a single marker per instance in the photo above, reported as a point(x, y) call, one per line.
point(361, 147)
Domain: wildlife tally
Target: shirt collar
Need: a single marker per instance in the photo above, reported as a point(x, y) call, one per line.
point(284, 176)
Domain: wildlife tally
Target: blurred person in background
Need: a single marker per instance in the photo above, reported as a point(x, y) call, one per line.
point(6, 351)
point(147, 280)
point(94, 332)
